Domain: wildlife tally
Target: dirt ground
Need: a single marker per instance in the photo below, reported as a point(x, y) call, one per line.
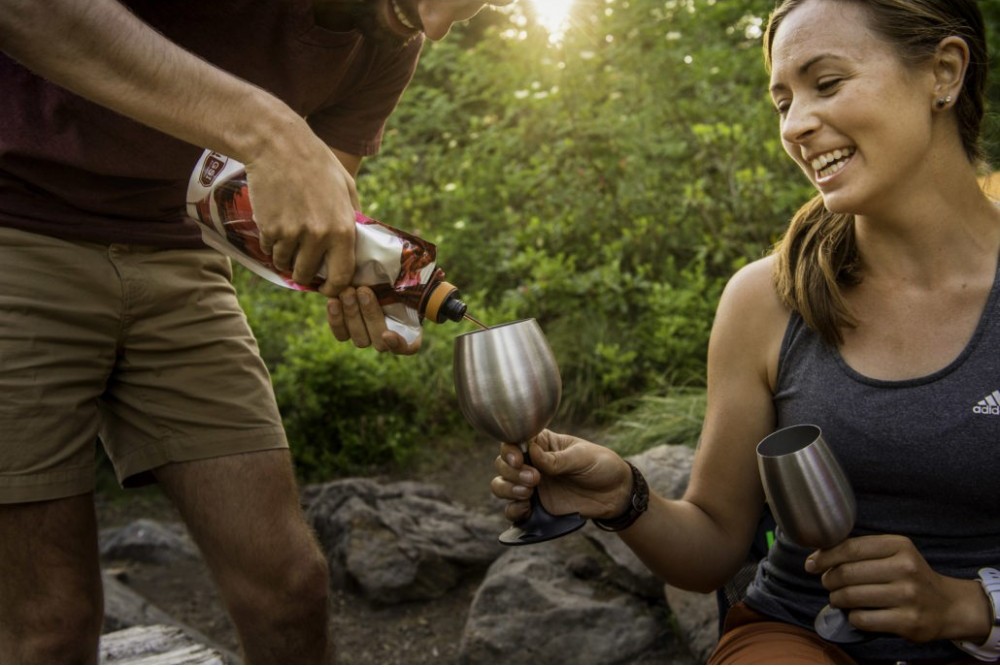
point(364, 633)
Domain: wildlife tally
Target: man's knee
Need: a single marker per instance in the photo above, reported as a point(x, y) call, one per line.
point(308, 581)
point(51, 602)
point(297, 587)
point(61, 629)
point(283, 618)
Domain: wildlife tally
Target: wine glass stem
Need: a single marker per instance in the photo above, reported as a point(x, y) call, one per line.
point(535, 501)
point(539, 525)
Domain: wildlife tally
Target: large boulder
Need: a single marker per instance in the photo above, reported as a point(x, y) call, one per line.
point(667, 469)
point(399, 541)
point(147, 541)
point(124, 608)
point(560, 602)
point(587, 598)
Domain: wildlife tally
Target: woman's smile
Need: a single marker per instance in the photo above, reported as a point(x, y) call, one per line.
point(827, 165)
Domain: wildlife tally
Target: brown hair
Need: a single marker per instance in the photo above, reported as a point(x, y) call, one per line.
point(818, 255)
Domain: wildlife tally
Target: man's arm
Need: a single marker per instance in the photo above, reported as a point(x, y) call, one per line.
point(101, 51)
point(352, 163)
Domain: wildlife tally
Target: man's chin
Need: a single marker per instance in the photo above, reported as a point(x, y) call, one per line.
point(372, 20)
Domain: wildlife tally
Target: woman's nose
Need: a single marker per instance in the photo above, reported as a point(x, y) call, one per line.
point(799, 123)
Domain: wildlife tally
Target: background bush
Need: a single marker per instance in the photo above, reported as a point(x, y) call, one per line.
point(607, 186)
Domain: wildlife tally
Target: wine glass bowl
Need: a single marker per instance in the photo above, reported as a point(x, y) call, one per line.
point(508, 388)
point(812, 502)
point(806, 488)
point(507, 380)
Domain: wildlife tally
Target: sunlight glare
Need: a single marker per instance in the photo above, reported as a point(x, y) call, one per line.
point(553, 15)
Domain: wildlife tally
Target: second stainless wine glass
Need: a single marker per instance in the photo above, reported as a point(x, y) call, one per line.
point(508, 388)
point(812, 502)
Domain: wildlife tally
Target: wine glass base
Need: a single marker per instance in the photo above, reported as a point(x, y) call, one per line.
point(541, 526)
point(832, 625)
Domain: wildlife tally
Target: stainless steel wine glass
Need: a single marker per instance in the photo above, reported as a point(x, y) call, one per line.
point(508, 388)
point(812, 502)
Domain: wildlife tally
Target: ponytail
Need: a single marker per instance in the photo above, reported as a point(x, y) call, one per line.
point(816, 258)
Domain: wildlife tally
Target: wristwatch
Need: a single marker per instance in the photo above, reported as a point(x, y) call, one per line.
point(989, 650)
point(638, 503)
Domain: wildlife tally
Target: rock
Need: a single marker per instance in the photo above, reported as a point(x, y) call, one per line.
point(147, 541)
point(534, 607)
point(124, 608)
point(399, 541)
point(156, 645)
point(697, 619)
point(584, 598)
point(667, 469)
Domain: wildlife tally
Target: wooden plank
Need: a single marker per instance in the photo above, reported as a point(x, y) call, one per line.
point(155, 645)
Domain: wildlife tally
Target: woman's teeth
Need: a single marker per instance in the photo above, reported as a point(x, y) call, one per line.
point(830, 163)
point(403, 18)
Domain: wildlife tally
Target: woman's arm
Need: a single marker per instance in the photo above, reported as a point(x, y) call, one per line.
point(701, 540)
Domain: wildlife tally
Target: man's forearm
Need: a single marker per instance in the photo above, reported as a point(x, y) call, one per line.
point(101, 51)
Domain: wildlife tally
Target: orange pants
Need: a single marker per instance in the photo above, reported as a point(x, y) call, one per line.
point(749, 638)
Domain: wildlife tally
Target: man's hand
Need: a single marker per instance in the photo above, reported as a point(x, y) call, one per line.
point(303, 197)
point(304, 205)
point(356, 316)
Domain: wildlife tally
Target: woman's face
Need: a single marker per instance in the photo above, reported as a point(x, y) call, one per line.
point(854, 118)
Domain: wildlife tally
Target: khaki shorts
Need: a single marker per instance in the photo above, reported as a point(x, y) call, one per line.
point(145, 347)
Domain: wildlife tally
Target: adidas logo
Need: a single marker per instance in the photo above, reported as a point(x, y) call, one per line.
point(989, 405)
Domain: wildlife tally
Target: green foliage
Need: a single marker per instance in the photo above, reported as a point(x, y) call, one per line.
point(673, 418)
point(349, 411)
point(991, 127)
point(344, 409)
point(607, 186)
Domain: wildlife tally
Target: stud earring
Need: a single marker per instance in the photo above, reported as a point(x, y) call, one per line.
point(942, 102)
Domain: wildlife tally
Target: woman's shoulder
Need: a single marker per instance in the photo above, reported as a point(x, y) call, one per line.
point(751, 320)
point(752, 290)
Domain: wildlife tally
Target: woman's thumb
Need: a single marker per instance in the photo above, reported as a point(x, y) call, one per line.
point(546, 453)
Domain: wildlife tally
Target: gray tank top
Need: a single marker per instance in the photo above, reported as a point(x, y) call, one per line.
point(923, 456)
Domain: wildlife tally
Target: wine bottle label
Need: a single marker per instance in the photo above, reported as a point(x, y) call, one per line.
point(398, 266)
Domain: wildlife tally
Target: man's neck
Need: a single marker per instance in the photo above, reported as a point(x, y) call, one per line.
point(335, 14)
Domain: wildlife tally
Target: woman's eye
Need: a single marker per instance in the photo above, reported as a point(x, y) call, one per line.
point(827, 85)
point(781, 108)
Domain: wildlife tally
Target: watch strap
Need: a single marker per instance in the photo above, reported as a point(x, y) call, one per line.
point(637, 504)
point(989, 650)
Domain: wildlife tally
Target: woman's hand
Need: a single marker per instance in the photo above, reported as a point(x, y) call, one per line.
point(356, 315)
point(886, 586)
point(572, 475)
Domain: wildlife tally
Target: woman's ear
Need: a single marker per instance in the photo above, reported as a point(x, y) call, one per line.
point(950, 64)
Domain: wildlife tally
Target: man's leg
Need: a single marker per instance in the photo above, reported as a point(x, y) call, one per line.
point(51, 605)
point(243, 511)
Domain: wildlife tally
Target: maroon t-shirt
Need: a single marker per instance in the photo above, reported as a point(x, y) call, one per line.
point(75, 170)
